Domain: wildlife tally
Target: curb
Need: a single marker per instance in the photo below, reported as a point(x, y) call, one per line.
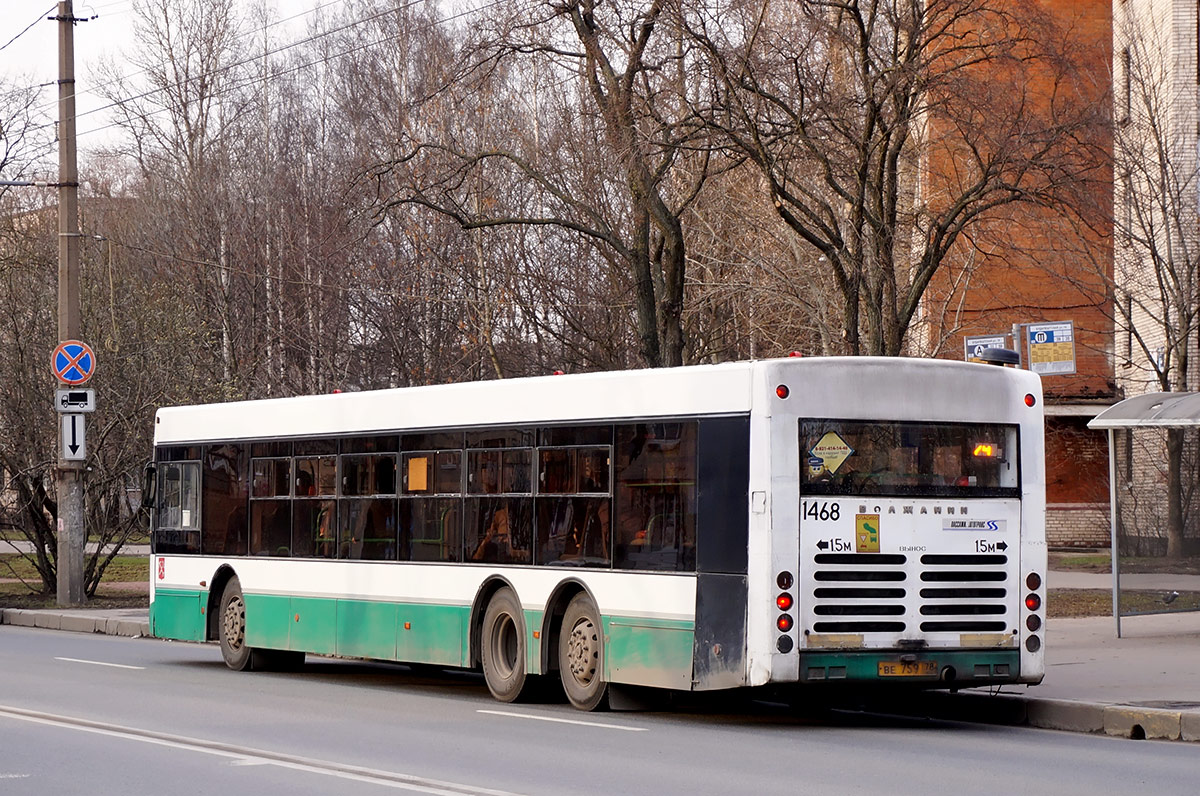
point(49, 620)
point(1125, 721)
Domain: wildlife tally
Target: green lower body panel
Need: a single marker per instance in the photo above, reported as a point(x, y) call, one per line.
point(533, 642)
point(432, 634)
point(314, 625)
point(653, 652)
point(366, 629)
point(268, 621)
point(960, 668)
point(178, 614)
point(359, 628)
point(637, 651)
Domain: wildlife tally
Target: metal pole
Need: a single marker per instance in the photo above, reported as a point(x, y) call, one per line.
point(1019, 344)
point(71, 535)
point(1112, 513)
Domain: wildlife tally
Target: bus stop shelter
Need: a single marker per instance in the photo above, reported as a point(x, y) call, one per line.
point(1152, 410)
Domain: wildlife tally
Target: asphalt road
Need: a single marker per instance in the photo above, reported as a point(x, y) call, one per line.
point(84, 714)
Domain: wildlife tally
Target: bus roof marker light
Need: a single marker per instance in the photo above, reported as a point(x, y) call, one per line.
point(782, 391)
point(1030, 401)
point(795, 354)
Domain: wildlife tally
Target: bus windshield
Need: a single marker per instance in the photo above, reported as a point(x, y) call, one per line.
point(908, 459)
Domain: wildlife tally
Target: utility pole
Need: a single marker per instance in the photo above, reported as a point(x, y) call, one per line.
point(71, 536)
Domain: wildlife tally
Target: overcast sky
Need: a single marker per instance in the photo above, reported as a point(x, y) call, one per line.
point(32, 58)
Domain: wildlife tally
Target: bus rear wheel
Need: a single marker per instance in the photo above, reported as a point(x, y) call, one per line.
point(503, 647)
point(581, 655)
point(232, 628)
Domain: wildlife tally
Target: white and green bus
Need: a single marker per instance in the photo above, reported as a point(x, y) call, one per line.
point(795, 521)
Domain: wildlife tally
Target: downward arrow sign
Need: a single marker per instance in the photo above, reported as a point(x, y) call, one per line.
point(73, 444)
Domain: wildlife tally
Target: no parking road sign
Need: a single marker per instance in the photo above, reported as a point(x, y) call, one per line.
point(73, 362)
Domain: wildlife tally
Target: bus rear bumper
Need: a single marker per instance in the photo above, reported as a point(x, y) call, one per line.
point(936, 668)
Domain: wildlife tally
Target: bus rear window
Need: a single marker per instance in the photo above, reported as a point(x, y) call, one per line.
point(856, 457)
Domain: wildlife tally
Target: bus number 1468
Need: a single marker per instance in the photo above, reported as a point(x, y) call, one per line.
point(824, 512)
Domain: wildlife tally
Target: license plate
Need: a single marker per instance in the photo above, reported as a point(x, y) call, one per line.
point(908, 668)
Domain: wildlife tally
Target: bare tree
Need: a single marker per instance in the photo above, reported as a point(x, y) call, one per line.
point(606, 151)
point(885, 129)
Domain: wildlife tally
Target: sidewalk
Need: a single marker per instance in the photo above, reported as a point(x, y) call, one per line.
point(1143, 685)
point(21, 546)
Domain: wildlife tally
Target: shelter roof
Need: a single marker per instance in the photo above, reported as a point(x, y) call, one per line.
point(1156, 409)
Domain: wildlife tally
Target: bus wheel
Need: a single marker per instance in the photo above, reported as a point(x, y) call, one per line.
point(581, 654)
point(233, 628)
point(503, 647)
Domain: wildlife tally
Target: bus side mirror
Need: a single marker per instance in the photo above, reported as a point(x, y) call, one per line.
point(149, 485)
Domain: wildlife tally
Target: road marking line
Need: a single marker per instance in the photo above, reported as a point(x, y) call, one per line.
point(391, 779)
point(14, 776)
point(99, 663)
point(564, 721)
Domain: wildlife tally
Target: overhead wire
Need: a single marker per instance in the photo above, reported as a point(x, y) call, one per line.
point(251, 59)
point(249, 81)
point(239, 36)
point(40, 18)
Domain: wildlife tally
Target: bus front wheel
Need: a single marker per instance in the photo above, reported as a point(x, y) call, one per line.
point(503, 646)
point(581, 654)
point(232, 627)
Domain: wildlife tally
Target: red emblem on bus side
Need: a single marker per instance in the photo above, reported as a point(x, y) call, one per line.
point(162, 568)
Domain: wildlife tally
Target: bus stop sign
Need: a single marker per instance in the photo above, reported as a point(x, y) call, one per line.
point(73, 362)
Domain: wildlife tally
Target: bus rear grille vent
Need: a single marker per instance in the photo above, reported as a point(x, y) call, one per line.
point(855, 593)
point(967, 593)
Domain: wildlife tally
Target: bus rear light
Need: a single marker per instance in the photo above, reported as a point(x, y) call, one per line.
point(1029, 399)
point(784, 623)
point(1033, 643)
point(1033, 581)
point(784, 644)
point(1034, 622)
point(784, 601)
point(784, 581)
point(1033, 602)
point(782, 391)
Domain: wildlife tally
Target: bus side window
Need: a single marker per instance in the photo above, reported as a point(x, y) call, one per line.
point(655, 496)
point(226, 494)
point(177, 520)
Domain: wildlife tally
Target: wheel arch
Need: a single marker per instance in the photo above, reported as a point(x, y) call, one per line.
point(556, 607)
point(220, 578)
point(483, 596)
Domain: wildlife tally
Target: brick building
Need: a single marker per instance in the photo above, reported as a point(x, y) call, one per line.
point(1034, 265)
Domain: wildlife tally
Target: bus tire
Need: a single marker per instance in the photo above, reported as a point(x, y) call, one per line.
point(502, 646)
point(581, 654)
point(231, 623)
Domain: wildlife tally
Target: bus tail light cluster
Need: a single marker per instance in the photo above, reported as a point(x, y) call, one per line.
point(1033, 603)
point(784, 602)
